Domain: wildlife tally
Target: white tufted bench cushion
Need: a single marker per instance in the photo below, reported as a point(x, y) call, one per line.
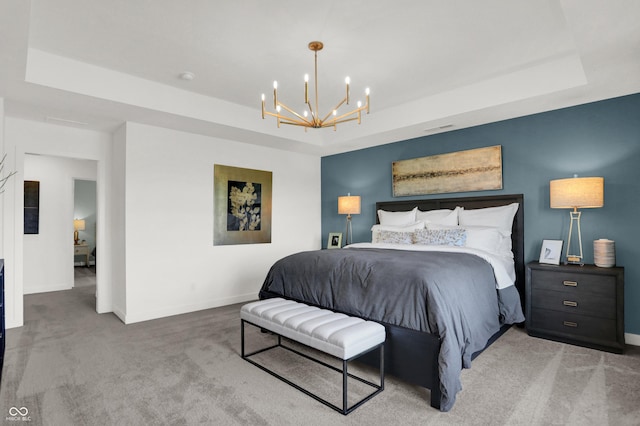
point(337, 334)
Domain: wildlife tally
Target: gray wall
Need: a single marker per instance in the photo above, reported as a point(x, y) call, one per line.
point(597, 139)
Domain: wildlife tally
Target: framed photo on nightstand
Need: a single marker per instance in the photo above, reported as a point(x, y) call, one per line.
point(334, 240)
point(551, 251)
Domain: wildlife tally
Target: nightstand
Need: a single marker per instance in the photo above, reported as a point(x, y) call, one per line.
point(581, 305)
point(82, 250)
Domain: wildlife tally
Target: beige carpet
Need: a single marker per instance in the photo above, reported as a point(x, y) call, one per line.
point(70, 366)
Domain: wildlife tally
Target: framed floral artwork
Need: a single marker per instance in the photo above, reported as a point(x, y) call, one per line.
point(242, 205)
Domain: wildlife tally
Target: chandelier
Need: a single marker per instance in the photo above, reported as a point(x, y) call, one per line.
point(311, 118)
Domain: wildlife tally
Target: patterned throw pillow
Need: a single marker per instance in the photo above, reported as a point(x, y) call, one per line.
point(440, 237)
point(394, 237)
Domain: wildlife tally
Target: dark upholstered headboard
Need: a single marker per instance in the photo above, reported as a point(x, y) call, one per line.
point(517, 232)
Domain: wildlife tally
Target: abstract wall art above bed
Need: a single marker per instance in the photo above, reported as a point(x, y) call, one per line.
point(242, 205)
point(463, 171)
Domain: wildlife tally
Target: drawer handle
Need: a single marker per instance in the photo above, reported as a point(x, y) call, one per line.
point(569, 303)
point(570, 323)
point(570, 283)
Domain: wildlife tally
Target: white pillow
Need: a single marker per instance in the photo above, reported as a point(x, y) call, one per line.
point(496, 217)
point(397, 218)
point(407, 228)
point(486, 238)
point(442, 217)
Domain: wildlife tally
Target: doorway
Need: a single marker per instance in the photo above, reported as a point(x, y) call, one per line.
point(49, 255)
point(85, 232)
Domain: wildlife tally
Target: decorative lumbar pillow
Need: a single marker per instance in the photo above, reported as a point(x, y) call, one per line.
point(440, 217)
point(376, 229)
point(497, 217)
point(392, 237)
point(397, 218)
point(440, 237)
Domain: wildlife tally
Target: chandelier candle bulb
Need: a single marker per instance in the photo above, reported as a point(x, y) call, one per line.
point(347, 81)
point(366, 91)
point(306, 91)
point(275, 95)
point(263, 106)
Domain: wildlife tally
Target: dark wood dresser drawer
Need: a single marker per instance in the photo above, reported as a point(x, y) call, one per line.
point(573, 325)
point(572, 282)
point(581, 305)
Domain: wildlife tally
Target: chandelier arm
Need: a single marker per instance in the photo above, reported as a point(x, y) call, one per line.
point(311, 111)
point(293, 112)
point(315, 80)
point(334, 109)
point(285, 118)
point(333, 123)
point(288, 120)
point(296, 123)
point(339, 119)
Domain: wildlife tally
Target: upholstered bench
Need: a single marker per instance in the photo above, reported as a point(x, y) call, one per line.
point(339, 335)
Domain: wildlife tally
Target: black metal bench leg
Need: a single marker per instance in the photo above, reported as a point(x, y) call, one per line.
point(242, 337)
point(344, 386)
point(382, 367)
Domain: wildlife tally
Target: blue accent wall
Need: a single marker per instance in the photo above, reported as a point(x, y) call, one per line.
point(596, 139)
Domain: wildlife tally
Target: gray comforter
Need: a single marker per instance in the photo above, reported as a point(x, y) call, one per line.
point(452, 295)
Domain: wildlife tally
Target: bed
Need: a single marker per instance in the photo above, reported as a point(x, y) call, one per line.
point(442, 300)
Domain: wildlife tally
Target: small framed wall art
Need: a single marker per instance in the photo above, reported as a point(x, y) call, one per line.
point(334, 240)
point(551, 251)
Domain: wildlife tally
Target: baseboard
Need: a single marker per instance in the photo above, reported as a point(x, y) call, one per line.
point(185, 309)
point(118, 312)
point(632, 339)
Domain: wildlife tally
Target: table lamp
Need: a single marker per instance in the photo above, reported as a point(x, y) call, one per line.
point(349, 204)
point(574, 193)
point(78, 225)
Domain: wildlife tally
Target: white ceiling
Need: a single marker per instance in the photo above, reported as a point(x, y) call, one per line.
point(432, 65)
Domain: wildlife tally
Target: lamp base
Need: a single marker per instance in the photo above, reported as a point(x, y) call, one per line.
point(572, 257)
point(348, 232)
point(574, 260)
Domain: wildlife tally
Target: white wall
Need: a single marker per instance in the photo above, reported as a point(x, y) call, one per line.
point(172, 266)
point(155, 216)
point(117, 209)
point(22, 137)
point(48, 255)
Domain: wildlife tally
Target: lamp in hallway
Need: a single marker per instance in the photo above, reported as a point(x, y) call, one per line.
point(574, 193)
point(78, 225)
point(349, 204)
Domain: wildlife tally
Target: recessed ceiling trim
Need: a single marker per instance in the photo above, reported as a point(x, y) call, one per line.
point(66, 121)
